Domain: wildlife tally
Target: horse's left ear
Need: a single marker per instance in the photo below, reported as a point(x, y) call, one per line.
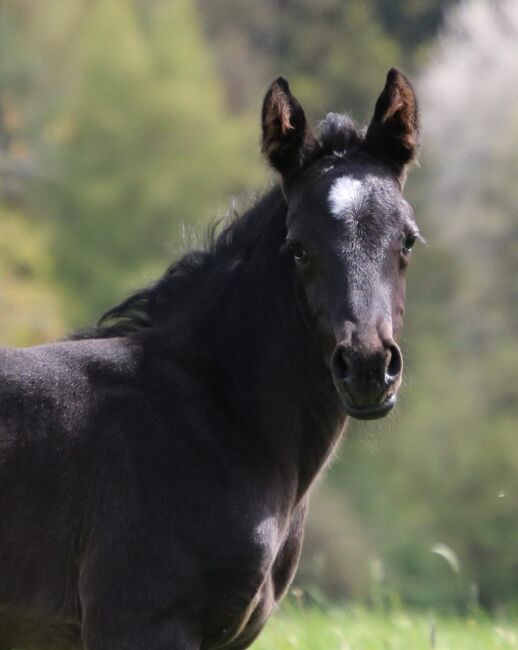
point(393, 134)
point(287, 138)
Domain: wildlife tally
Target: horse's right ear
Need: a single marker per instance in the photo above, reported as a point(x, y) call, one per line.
point(287, 138)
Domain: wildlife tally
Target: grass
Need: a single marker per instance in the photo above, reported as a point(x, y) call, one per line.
point(356, 628)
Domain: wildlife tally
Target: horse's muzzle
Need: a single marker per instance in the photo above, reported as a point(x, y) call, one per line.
point(367, 380)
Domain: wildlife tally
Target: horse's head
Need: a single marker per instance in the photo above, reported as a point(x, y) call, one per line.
point(350, 233)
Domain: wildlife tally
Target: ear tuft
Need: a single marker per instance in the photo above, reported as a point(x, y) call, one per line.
point(287, 138)
point(278, 110)
point(393, 134)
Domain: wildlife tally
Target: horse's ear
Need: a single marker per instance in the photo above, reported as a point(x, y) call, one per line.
point(287, 138)
point(393, 134)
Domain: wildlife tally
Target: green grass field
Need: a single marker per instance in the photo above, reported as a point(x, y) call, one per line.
point(355, 628)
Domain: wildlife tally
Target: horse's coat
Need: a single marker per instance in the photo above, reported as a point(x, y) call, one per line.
point(155, 470)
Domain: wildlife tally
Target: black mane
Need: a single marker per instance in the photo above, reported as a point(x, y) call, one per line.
point(226, 242)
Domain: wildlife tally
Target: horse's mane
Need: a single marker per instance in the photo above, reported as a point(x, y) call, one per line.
point(226, 240)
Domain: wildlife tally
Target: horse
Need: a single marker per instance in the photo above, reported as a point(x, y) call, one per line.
point(155, 469)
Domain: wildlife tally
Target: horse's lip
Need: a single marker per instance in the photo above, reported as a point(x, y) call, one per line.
point(371, 412)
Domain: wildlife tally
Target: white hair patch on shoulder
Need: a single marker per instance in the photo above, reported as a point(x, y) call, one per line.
point(346, 195)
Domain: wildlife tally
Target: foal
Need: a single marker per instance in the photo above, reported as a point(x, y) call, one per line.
point(155, 472)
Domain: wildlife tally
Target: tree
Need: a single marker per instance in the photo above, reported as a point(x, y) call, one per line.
point(144, 114)
point(336, 54)
point(129, 137)
point(30, 308)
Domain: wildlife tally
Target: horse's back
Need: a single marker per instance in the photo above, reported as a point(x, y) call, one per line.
point(50, 393)
point(49, 398)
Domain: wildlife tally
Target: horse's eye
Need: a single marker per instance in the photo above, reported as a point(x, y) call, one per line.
point(298, 251)
point(409, 243)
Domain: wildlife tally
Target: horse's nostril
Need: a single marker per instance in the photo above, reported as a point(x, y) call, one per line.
point(341, 366)
point(394, 364)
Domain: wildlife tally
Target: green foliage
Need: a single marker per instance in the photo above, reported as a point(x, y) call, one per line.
point(334, 53)
point(30, 308)
point(347, 47)
point(412, 23)
point(356, 628)
point(146, 146)
point(137, 142)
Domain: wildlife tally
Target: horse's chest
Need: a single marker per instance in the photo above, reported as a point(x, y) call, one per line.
point(248, 593)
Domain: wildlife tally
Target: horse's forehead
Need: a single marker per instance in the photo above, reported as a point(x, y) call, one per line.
point(345, 185)
point(346, 196)
point(350, 197)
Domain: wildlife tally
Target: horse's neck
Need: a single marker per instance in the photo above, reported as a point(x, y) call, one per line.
point(279, 377)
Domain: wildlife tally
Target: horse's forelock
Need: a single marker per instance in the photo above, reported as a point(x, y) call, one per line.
point(338, 134)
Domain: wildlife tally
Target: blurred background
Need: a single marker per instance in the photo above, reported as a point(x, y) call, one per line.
point(125, 125)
